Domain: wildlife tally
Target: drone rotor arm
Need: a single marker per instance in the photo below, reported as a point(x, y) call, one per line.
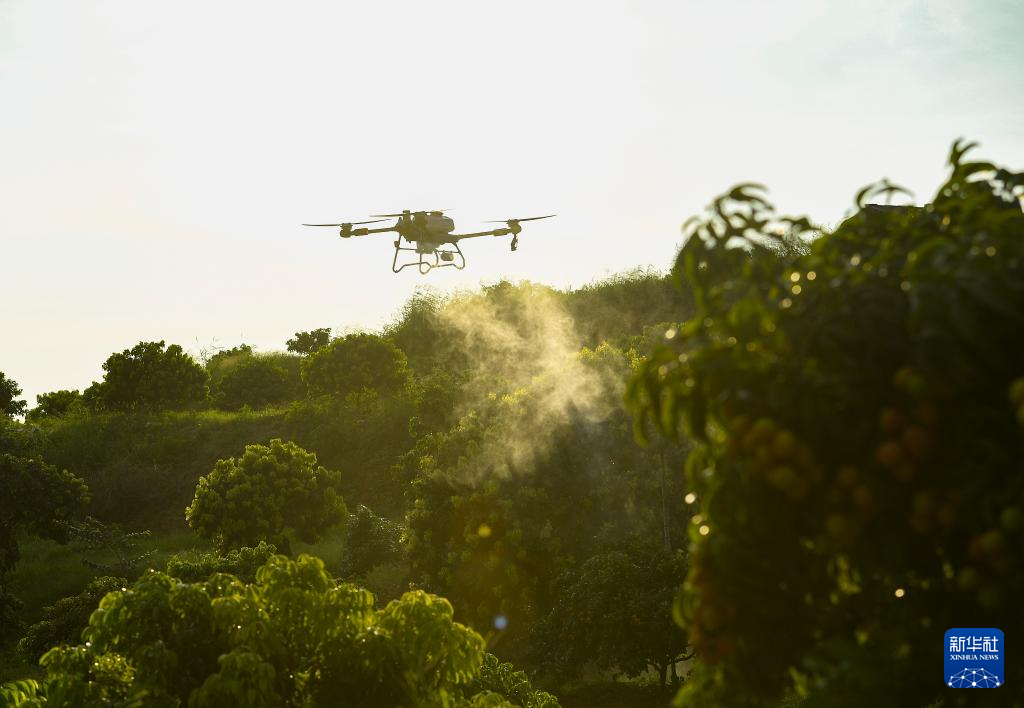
point(475, 234)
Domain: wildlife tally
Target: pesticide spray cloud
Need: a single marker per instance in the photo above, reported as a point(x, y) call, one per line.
point(522, 346)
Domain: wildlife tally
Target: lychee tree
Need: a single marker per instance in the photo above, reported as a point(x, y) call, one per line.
point(858, 408)
point(268, 493)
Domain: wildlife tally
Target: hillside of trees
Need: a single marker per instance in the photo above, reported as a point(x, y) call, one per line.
point(773, 477)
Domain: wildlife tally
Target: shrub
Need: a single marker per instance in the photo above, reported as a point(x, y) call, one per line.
point(356, 362)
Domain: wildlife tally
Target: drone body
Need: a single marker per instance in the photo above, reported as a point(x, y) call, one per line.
point(427, 233)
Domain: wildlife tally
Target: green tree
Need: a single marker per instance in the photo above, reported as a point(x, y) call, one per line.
point(242, 563)
point(294, 637)
point(150, 375)
point(263, 495)
point(488, 521)
point(615, 612)
point(10, 406)
point(356, 362)
point(55, 404)
point(36, 498)
point(309, 342)
point(856, 414)
point(371, 541)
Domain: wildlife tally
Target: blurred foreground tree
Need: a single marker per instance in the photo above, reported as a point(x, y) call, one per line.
point(150, 376)
point(858, 478)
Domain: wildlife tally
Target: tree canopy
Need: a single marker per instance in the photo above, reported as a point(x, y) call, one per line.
point(10, 405)
point(150, 375)
point(354, 363)
point(309, 342)
point(265, 493)
point(55, 404)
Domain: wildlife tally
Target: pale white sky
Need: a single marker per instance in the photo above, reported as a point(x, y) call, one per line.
point(156, 159)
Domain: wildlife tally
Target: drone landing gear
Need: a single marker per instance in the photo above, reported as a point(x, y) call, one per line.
point(439, 258)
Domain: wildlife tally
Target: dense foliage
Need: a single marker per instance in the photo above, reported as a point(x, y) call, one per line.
point(56, 404)
point(354, 363)
point(267, 492)
point(150, 375)
point(858, 476)
point(294, 637)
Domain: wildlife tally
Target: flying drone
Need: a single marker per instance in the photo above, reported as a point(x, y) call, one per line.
point(428, 233)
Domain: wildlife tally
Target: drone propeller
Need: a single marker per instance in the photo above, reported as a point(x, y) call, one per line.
point(349, 223)
point(510, 221)
point(410, 213)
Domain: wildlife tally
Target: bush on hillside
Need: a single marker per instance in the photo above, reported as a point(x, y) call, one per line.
point(354, 363)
